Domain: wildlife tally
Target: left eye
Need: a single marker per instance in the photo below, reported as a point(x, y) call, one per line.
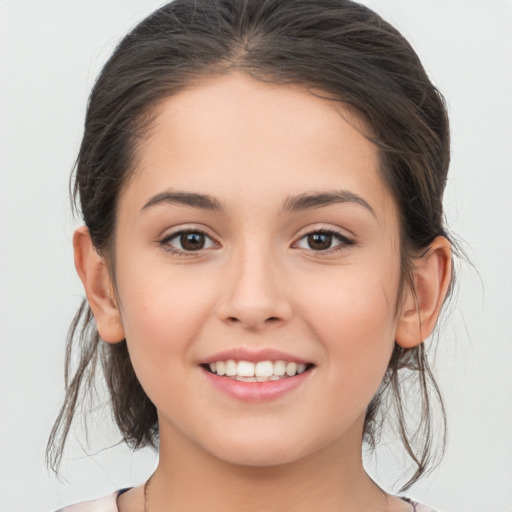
point(322, 241)
point(189, 241)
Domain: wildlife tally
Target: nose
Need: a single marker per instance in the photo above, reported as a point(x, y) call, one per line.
point(256, 292)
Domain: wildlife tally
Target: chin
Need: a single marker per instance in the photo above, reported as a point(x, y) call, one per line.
point(263, 452)
point(261, 460)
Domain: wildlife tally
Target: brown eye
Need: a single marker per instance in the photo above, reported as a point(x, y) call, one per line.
point(187, 241)
point(319, 241)
point(192, 241)
point(324, 241)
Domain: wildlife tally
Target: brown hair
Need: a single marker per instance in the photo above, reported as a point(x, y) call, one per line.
point(338, 47)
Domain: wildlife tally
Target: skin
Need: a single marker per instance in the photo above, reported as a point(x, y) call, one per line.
point(259, 283)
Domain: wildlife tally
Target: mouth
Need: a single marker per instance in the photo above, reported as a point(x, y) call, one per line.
point(259, 371)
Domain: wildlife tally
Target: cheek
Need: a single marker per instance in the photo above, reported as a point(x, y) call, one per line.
point(355, 318)
point(162, 314)
point(353, 303)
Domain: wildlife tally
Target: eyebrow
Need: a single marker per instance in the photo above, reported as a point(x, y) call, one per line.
point(202, 201)
point(320, 199)
point(292, 204)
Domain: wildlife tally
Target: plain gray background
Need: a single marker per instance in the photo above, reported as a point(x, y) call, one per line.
point(50, 54)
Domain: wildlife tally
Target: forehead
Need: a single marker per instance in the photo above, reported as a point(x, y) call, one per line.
point(245, 141)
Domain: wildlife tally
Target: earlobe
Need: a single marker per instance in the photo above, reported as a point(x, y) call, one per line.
point(93, 272)
point(420, 309)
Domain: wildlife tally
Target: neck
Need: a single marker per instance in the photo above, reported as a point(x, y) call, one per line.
point(332, 479)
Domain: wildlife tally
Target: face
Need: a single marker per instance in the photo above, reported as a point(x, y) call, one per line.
point(256, 238)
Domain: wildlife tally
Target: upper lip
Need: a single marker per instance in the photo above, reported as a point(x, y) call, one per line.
point(245, 354)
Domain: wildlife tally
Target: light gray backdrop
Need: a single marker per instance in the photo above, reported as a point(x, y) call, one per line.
point(50, 53)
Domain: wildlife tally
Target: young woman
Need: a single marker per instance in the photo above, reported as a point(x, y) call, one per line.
point(263, 254)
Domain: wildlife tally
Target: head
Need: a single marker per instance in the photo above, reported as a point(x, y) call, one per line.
point(343, 58)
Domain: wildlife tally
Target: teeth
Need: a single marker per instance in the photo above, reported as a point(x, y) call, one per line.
point(262, 371)
point(221, 368)
point(291, 369)
point(231, 368)
point(279, 368)
point(245, 369)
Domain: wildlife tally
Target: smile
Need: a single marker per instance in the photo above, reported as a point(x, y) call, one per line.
point(260, 371)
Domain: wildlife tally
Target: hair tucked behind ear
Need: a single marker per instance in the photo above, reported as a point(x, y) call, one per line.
point(337, 48)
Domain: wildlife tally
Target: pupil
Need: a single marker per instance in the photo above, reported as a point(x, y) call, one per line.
point(192, 241)
point(319, 241)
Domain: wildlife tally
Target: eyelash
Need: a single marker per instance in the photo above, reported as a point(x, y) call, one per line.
point(345, 242)
point(165, 242)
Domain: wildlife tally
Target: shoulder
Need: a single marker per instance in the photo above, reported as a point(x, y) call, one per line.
point(418, 507)
point(105, 504)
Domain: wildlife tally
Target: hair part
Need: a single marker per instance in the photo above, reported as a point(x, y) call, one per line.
point(338, 47)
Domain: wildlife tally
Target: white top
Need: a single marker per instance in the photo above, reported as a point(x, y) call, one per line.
point(109, 504)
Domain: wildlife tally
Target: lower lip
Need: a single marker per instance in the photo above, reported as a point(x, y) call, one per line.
point(256, 391)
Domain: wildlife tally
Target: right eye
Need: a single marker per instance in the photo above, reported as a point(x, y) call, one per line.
point(324, 241)
point(185, 242)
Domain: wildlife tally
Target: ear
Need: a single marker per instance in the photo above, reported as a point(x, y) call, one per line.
point(93, 272)
point(420, 308)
